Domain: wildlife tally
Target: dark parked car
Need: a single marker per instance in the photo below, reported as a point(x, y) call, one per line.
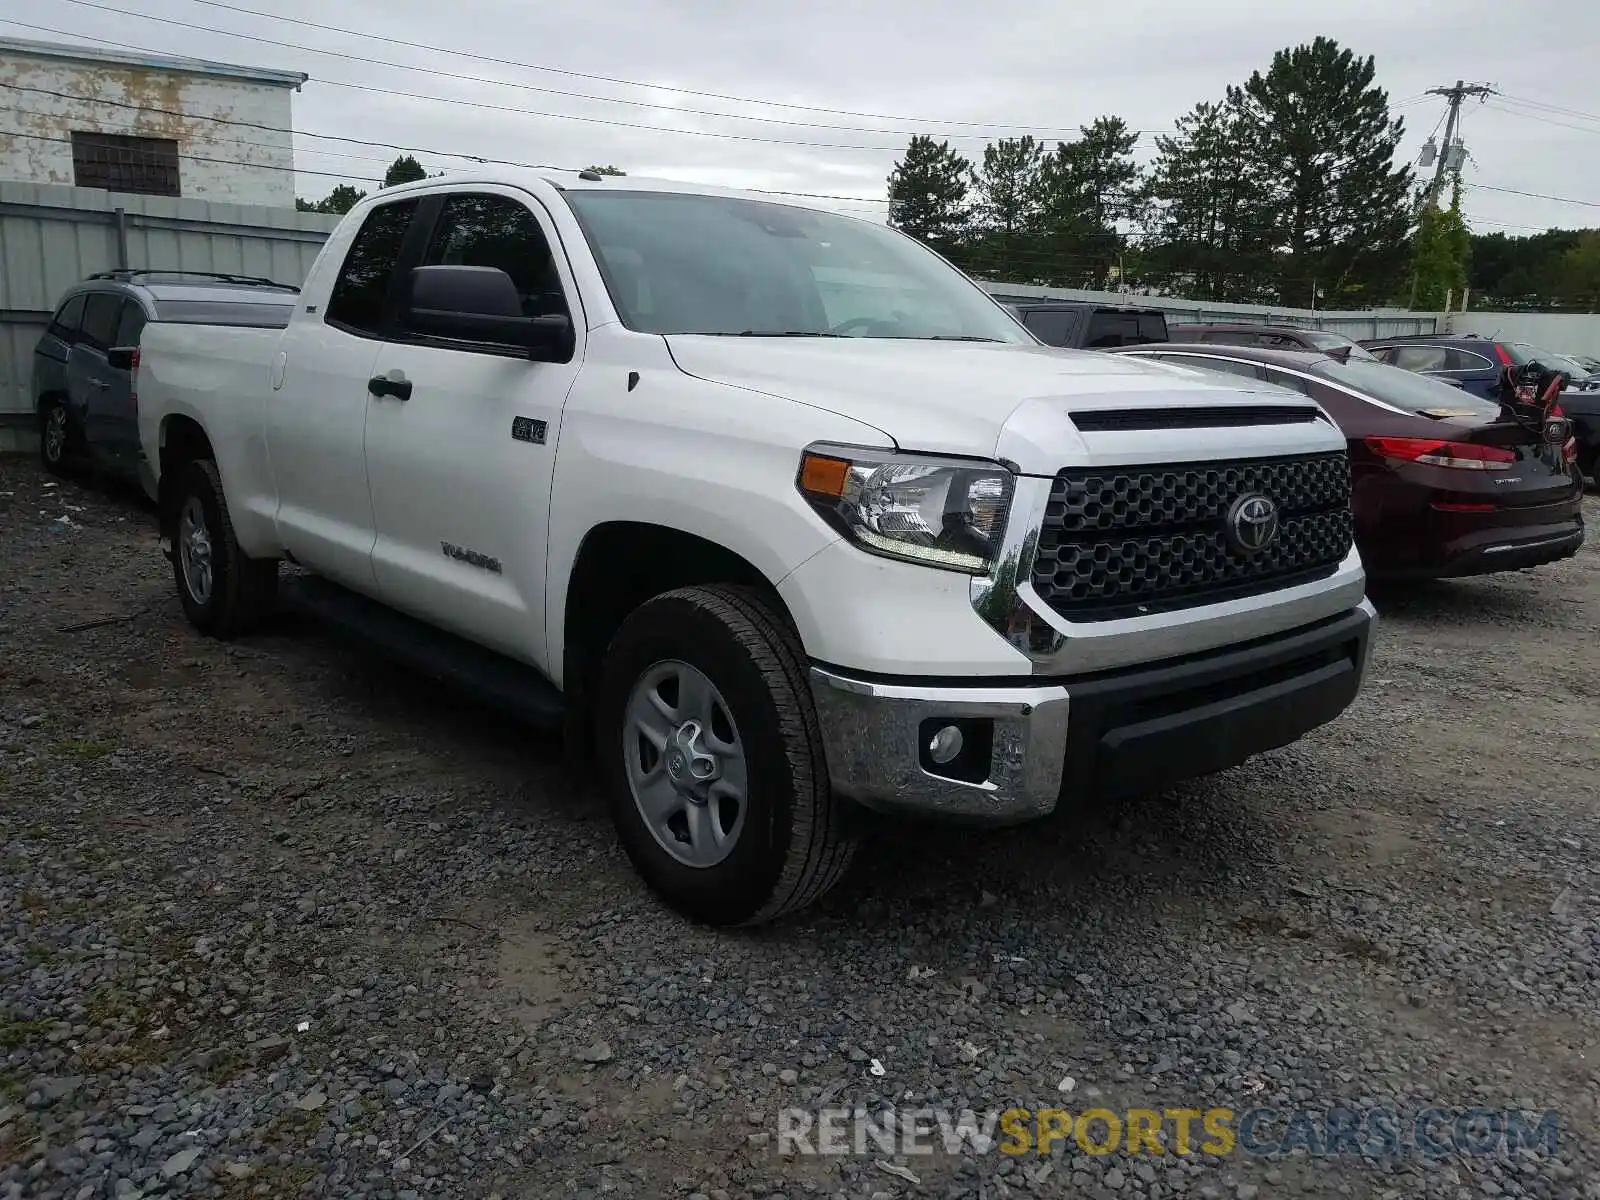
point(1443, 483)
point(1270, 337)
point(83, 365)
point(1083, 326)
point(1473, 362)
point(1582, 410)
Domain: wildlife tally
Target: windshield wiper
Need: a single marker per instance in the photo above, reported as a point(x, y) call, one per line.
point(959, 337)
point(789, 333)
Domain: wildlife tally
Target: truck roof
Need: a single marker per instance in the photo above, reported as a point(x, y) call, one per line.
point(592, 181)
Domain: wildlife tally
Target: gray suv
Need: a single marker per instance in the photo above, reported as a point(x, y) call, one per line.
point(84, 364)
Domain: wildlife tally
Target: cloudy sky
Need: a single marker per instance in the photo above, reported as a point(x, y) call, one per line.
point(820, 95)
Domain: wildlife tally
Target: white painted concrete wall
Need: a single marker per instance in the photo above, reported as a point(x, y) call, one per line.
point(1560, 333)
point(252, 165)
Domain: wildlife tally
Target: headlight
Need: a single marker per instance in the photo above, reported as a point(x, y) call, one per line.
point(941, 512)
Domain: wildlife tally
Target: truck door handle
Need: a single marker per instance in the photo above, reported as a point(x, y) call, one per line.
point(99, 383)
point(382, 385)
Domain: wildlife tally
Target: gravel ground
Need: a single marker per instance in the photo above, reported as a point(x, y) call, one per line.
point(277, 920)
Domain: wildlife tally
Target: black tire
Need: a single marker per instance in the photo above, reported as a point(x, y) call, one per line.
point(793, 846)
point(243, 591)
point(56, 453)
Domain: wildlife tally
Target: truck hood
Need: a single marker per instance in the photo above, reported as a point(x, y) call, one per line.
point(949, 397)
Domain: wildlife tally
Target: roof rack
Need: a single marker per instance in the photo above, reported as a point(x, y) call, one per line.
point(128, 274)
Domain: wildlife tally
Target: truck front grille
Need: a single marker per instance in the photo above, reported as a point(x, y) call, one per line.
point(1123, 541)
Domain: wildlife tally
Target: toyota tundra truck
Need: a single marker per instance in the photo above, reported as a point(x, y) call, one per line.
point(780, 517)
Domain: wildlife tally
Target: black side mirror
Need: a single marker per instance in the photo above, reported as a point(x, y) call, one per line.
point(482, 305)
point(123, 358)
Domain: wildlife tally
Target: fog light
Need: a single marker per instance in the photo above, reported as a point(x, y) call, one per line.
point(946, 744)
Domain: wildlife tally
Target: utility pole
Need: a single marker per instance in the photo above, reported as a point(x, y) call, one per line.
point(1450, 154)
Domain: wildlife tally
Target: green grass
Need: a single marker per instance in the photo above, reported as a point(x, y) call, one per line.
point(87, 749)
point(19, 1033)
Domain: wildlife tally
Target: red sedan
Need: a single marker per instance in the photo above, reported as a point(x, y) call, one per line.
point(1444, 483)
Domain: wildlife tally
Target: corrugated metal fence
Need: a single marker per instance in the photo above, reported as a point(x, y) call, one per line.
point(1358, 325)
point(52, 237)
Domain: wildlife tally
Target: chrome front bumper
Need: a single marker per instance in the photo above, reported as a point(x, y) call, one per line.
point(1111, 732)
point(876, 741)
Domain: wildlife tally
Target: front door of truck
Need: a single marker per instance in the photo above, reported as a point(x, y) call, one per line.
point(315, 419)
point(461, 441)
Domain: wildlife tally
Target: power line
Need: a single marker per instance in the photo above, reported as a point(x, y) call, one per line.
point(386, 145)
point(278, 18)
point(289, 129)
point(480, 104)
point(485, 80)
point(226, 162)
point(1556, 108)
point(1535, 195)
point(1537, 116)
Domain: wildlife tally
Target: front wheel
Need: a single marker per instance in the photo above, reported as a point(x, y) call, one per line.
point(716, 777)
point(55, 435)
point(224, 592)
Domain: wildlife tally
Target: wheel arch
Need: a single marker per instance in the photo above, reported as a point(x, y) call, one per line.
point(620, 565)
point(182, 440)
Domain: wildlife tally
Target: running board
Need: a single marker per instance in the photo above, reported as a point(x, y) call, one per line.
point(496, 680)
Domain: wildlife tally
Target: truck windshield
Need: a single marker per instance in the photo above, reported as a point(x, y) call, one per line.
point(682, 263)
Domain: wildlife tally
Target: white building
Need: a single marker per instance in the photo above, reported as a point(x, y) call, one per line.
point(139, 123)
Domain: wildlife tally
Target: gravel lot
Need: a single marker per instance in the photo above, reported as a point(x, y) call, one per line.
point(278, 920)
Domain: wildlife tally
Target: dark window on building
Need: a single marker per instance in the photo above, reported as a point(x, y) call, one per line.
point(66, 322)
point(120, 163)
point(359, 302)
point(100, 315)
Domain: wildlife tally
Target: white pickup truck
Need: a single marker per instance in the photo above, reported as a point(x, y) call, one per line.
point(776, 512)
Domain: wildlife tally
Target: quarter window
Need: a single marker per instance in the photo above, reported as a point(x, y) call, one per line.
point(100, 312)
point(130, 326)
point(359, 302)
point(497, 231)
point(1465, 360)
point(1420, 358)
point(66, 321)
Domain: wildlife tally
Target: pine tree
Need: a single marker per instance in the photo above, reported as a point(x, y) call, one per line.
point(1086, 187)
point(1210, 221)
point(928, 191)
point(1321, 132)
point(404, 169)
point(1009, 209)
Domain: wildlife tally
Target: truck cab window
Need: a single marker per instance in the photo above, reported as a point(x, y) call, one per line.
point(359, 293)
point(66, 322)
point(497, 231)
point(1052, 327)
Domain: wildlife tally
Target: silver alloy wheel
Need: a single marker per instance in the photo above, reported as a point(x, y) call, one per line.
point(194, 551)
point(686, 764)
point(55, 433)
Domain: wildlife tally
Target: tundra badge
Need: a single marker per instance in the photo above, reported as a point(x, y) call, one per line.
point(471, 557)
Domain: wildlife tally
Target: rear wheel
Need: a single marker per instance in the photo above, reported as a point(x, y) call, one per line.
point(716, 778)
point(55, 435)
point(224, 592)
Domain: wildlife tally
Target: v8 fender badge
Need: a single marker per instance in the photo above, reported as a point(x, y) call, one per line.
point(526, 429)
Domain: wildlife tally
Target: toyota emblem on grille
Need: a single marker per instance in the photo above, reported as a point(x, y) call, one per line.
point(1252, 524)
